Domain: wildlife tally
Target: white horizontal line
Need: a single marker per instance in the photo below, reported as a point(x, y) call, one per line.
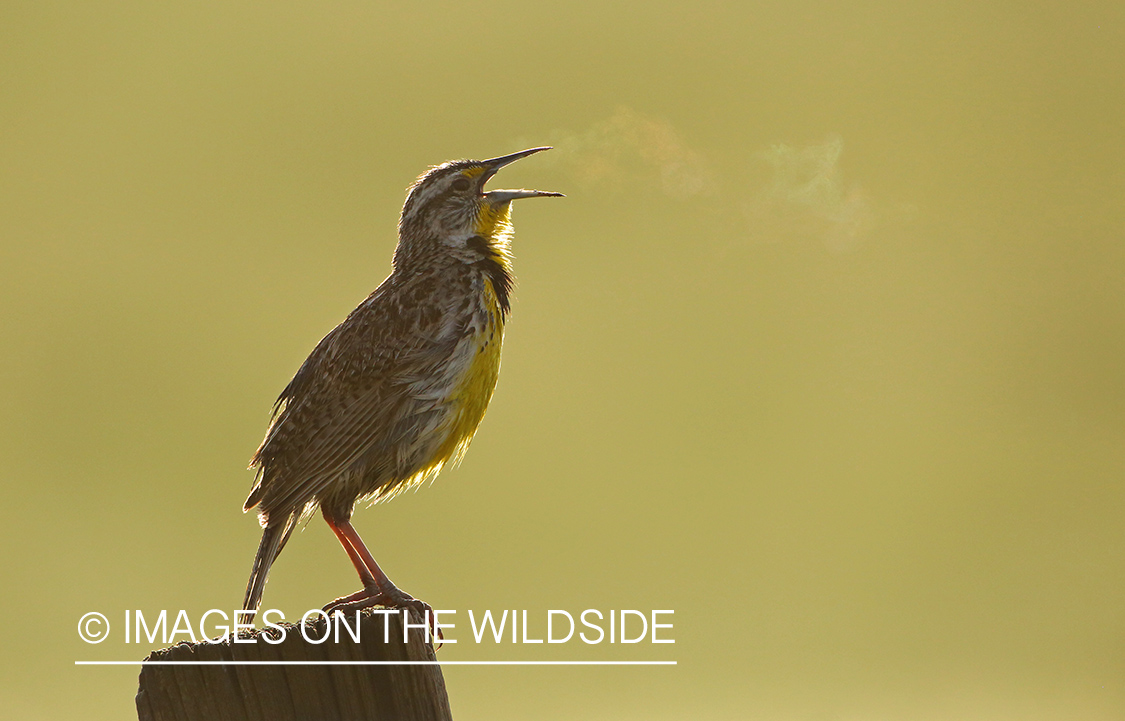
point(374, 663)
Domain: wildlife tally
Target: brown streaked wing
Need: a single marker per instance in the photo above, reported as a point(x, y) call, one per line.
point(353, 404)
point(345, 438)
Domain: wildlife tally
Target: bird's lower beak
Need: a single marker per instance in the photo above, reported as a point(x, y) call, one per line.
point(504, 196)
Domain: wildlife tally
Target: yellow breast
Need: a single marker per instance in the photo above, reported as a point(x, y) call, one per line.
point(474, 390)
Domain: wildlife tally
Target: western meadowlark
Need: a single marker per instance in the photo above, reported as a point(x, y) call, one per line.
point(397, 390)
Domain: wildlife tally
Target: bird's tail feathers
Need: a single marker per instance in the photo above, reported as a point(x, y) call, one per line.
point(274, 537)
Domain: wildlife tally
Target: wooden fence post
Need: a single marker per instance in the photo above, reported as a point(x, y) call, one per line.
point(346, 688)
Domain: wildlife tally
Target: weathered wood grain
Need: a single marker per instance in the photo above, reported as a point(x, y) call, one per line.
point(296, 691)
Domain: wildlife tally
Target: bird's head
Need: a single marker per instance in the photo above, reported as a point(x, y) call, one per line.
point(449, 205)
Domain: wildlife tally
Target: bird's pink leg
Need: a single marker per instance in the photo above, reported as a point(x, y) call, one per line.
point(378, 590)
point(365, 576)
point(361, 557)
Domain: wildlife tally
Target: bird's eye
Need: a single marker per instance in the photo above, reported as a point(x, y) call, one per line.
point(461, 185)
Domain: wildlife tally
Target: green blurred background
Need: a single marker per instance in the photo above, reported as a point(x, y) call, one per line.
point(824, 350)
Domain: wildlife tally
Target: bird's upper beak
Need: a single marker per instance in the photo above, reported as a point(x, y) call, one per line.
point(503, 196)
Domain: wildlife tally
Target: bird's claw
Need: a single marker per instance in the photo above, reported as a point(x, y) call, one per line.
point(392, 598)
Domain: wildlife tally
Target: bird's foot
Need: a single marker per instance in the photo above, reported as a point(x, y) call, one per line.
point(388, 598)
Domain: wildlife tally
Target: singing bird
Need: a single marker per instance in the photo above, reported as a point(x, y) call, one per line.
point(396, 391)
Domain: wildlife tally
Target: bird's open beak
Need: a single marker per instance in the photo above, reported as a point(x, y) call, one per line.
point(503, 196)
